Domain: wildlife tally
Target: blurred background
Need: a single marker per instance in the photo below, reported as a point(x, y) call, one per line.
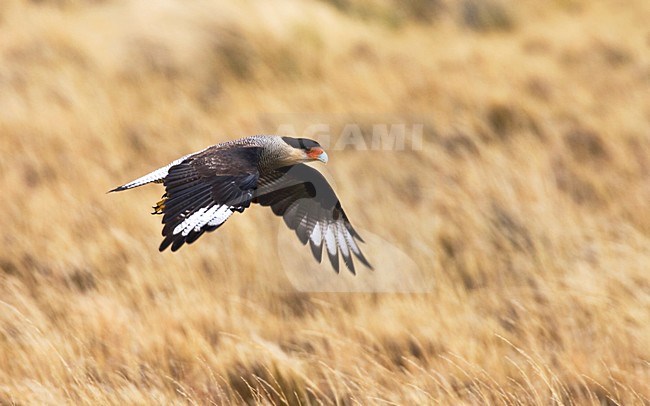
point(523, 213)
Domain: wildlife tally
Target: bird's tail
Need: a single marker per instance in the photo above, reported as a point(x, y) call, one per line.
point(156, 176)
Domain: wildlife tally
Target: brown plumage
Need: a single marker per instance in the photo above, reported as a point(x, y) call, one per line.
point(204, 189)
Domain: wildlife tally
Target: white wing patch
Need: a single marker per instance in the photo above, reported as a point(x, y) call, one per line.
point(334, 235)
point(316, 235)
point(186, 225)
point(203, 219)
point(343, 244)
point(351, 243)
point(220, 216)
point(330, 239)
point(213, 216)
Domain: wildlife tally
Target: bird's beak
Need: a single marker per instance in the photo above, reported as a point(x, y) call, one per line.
point(323, 157)
point(319, 154)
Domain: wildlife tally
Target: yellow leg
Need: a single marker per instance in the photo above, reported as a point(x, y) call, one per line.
point(160, 206)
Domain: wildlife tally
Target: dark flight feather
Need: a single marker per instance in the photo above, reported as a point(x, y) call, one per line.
point(201, 182)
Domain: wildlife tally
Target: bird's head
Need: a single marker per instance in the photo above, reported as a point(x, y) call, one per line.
point(305, 150)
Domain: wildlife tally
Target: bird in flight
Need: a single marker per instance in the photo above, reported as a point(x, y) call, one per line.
point(202, 190)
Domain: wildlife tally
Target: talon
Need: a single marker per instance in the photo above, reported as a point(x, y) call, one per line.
point(159, 207)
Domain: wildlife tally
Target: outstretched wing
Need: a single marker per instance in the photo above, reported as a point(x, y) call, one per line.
point(302, 196)
point(204, 190)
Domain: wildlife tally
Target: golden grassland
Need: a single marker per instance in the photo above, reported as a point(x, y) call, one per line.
point(526, 212)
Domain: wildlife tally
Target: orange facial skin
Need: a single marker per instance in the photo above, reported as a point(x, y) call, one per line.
point(315, 152)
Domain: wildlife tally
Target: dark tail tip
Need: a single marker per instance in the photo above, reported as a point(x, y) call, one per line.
point(117, 189)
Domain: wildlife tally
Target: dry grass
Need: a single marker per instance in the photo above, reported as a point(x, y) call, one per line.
point(528, 207)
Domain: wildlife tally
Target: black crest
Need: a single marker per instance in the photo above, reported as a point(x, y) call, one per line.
point(301, 143)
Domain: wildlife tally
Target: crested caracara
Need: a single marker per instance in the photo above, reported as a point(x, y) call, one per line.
point(202, 190)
